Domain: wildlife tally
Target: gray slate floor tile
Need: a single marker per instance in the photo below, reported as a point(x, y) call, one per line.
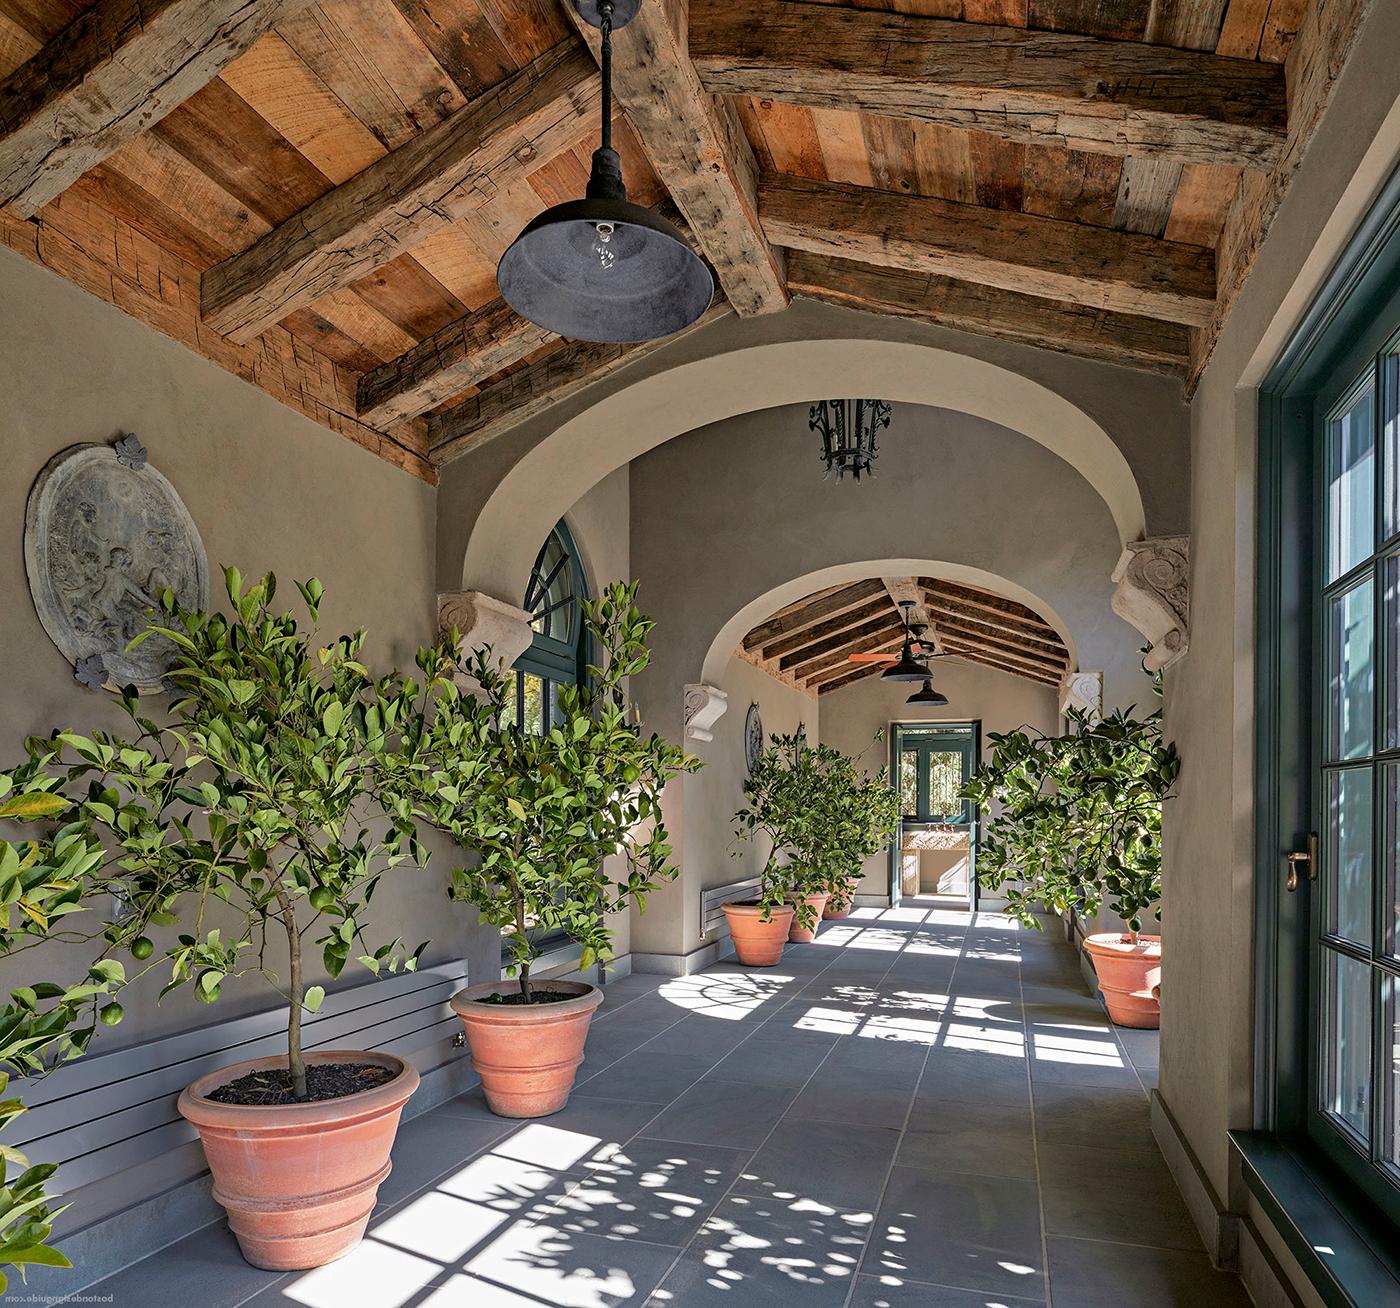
point(737, 1114)
point(1090, 1274)
point(895, 1292)
point(840, 1167)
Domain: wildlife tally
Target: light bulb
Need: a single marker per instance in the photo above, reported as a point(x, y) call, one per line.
point(603, 247)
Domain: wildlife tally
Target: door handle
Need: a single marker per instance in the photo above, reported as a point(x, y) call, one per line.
point(1305, 858)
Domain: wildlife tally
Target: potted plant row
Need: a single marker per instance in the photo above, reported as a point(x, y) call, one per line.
point(822, 819)
point(1080, 826)
point(250, 821)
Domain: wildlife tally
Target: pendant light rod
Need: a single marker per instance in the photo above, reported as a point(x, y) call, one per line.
point(605, 12)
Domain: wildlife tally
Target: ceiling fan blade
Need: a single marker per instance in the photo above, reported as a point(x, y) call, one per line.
point(872, 658)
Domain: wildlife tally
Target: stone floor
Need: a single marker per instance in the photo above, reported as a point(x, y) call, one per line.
point(919, 1110)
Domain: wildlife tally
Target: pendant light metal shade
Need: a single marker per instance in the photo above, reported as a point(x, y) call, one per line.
point(602, 268)
point(927, 695)
point(908, 668)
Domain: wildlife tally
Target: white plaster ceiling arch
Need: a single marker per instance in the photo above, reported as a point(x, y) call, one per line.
point(761, 607)
point(635, 418)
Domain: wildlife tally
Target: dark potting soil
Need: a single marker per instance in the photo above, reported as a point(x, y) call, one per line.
point(273, 1086)
point(536, 997)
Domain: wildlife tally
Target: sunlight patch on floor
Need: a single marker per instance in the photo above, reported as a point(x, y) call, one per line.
point(731, 997)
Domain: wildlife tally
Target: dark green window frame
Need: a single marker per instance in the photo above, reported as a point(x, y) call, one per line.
point(1331, 1194)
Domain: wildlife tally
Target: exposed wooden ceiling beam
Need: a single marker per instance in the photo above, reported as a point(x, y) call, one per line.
point(112, 73)
point(795, 642)
point(961, 644)
point(850, 639)
point(1048, 88)
point(968, 632)
point(906, 590)
point(1128, 339)
point(824, 604)
point(1317, 58)
point(983, 599)
point(1039, 635)
point(1121, 271)
point(453, 359)
point(446, 172)
point(838, 665)
point(698, 148)
point(521, 395)
point(873, 641)
point(974, 656)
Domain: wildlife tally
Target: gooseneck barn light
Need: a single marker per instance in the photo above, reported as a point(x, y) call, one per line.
point(602, 268)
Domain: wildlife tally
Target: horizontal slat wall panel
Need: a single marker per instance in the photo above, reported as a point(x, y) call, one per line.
point(102, 1114)
point(712, 901)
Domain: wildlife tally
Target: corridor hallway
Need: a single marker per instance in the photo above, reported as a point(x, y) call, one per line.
point(921, 1109)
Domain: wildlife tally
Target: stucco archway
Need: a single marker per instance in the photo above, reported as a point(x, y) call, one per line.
point(636, 418)
point(727, 639)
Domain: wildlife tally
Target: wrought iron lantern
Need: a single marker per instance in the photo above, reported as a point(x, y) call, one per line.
point(848, 430)
point(603, 268)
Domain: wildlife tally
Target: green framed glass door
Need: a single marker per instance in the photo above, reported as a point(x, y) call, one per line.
point(935, 850)
point(1328, 744)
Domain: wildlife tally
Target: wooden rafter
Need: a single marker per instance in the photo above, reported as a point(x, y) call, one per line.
point(113, 72)
point(1120, 271)
point(846, 679)
point(969, 633)
point(698, 148)
point(1001, 665)
point(848, 641)
point(1010, 627)
point(450, 361)
point(960, 643)
point(1128, 339)
point(812, 609)
point(796, 642)
point(985, 599)
point(1049, 88)
point(407, 195)
point(1315, 63)
point(531, 390)
point(830, 665)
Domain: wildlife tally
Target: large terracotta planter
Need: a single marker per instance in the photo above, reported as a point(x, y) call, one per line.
point(758, 943)
point(799, 934)
point(299, 1181)
point(838, 906)
point(1129, 976)
point(527, 1055)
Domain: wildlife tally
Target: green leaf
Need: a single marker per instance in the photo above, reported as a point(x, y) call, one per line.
point(332, 718)
point(36, 804)
point(315, 996)
point(516, 808)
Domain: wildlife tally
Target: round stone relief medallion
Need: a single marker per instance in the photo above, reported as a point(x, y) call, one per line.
point(104, 534)
point(753, 736)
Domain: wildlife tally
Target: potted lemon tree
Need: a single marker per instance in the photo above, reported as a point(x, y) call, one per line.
point(240, 831)
point(562, 828)
point(1080, 826)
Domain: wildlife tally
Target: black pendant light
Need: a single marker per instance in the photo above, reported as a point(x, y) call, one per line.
point(909, 667)
point(848, 430)
point(602, 268)
point(927, 695)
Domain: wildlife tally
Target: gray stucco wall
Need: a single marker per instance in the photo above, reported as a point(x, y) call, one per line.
point(1208, 881)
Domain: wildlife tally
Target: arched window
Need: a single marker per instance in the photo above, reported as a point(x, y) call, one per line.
point(558, 653)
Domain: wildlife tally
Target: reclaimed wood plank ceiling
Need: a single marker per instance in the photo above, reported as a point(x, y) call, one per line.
point(825, 640)
point(317, 196)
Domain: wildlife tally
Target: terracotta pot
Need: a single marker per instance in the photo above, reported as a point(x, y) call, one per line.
point(527, 1055)
point(838, 906)
point(1129, 975)
point(758, 943)
point(798, 934)
point(299, 1181)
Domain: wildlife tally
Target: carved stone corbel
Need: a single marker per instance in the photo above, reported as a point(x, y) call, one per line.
point(704, 706)
point(1082, 691)
point(1152, 592)
point(482, 621)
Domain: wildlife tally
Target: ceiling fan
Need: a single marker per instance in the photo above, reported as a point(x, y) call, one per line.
point(914, 649)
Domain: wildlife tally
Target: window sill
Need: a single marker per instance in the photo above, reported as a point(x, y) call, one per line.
point(1339, 1244)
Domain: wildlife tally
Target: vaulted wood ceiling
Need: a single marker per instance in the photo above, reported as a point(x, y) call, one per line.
point(314, 195)
point(810, 643)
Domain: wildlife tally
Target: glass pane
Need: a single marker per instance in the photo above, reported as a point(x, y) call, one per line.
point(909, 782)
point(532, 694)
point(1351, 485)
point(945, 778)
point(511, 708)
point(1346, 1089)
point(1390, 436)
point(550, 597)
point(1390, 649)
point(1347, 861)
point(1351, 671)
point(1392, 1073)
point(1390, 852)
